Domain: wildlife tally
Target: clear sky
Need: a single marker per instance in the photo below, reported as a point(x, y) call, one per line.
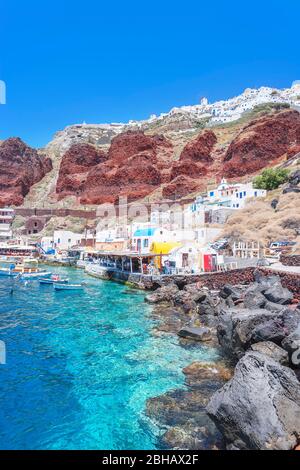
point(67, 61)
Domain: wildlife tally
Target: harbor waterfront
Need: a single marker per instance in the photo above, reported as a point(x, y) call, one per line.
point(81, 365)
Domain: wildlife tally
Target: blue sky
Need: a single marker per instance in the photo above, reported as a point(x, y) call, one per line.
point(67, 61)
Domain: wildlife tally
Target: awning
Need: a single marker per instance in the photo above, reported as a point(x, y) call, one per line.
point(163, 248)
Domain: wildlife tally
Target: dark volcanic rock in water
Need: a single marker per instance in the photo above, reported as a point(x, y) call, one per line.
point(21, 167)
point(162, 294)
point(197, 334)
point(259, 408)
point(183, 411)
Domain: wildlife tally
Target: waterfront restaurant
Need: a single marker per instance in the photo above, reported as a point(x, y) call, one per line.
point(18, 251)
point(127, 262)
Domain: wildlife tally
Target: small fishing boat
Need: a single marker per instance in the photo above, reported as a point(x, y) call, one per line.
point(8, 272)
point(54, 279)
point(34, 274)
point(68, 286)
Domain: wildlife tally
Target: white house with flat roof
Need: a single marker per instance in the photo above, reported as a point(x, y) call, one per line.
point(234, 195)
point(6, 219)
point(65, 239)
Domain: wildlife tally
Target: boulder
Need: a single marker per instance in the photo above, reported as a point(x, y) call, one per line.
point(273, 307)
point(274, 203)
point(259, 408)
point(198, 334)
point(253, 297)
point(271, 330)
point(277, 328)
point(273, 351)
point(206, 376)
point(294, 178)
point(162, 294)
point(184, 300)
point(177, 407)
point(235, 293)
point(209, 320)
point(291, 189)
point(265, 282)
point(292, 345)
point(208, 306)
point(235, 329)
point(279, 295)
point(190, 437)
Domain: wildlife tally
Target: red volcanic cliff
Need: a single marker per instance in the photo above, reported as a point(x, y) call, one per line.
point(193, 164)
point(75, 166)
point(262, 142)
point(180, 187)
point(137, 164)
point(21, 167)
point(199, 149)
point(129, 169)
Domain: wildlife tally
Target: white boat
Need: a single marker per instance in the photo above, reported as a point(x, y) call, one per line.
point(68, 286)
point(52, 280)
point(34, 274)
point(8, 272)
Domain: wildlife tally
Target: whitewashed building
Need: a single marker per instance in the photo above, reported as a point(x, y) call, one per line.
point(6, 219)
point(234, 195)
point(65, 239)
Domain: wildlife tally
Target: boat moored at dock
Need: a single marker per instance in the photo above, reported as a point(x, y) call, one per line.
point(67, 287)
point(54, 279)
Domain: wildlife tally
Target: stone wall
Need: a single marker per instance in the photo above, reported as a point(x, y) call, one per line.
point(27, 212)
point(213, 281)
point(292, 260)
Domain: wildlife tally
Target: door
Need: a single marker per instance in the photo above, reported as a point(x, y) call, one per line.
point(207, 263)
point(185, 260)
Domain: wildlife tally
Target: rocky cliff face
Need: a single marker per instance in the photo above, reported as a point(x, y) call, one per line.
point(75, 166)
point(98, 163)
point(192, 167)
point(262, 142)
point(131, 168)
point(21, 167)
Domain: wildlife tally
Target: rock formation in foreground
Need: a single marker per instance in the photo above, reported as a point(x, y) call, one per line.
point(257, 323)
point(259, 408)
point(21, 167)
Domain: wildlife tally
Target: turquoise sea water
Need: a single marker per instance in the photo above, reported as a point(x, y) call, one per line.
point(80, 366)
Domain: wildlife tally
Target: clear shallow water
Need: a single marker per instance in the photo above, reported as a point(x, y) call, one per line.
point(80, 367)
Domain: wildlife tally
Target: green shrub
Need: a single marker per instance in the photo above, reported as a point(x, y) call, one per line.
point(271, 178)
